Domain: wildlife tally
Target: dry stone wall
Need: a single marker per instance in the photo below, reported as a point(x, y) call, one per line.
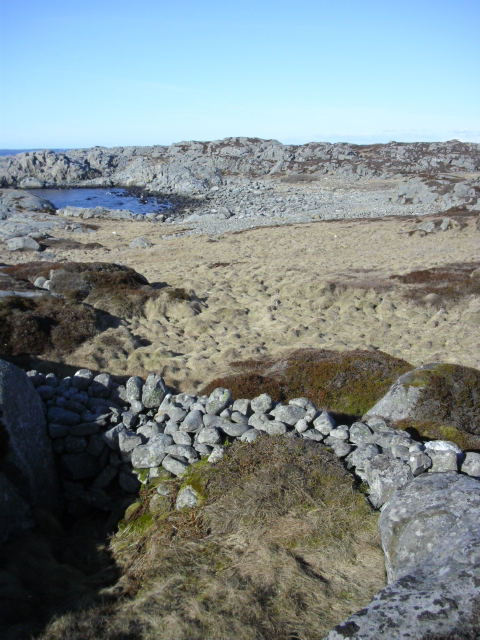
point(111, 438)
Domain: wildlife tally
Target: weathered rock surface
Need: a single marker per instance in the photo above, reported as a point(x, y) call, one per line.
point(27, 468)
point(431, 538)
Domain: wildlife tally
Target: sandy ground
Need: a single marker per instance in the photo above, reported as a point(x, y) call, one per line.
point(270, 289)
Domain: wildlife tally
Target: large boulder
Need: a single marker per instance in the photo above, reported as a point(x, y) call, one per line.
point(27, 470)
point(431, 537)
point(445, 397)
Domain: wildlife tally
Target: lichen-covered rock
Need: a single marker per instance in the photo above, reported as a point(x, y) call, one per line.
point(187, 498)
point(445, 393)
point(384, 476)
point(324, 423)
point(262, 404)
point(154, 391)
point(218, 400)
point(26, 453)
point(431, 539)
point(82, 379)
point(290, 414)
point(101, 385)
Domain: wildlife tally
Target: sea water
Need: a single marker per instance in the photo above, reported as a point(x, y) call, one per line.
point(108, 198)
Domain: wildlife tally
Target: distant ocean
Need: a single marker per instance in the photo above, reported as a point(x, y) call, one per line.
point(12, 152)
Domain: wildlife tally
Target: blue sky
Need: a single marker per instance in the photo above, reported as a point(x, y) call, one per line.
point(79, 73)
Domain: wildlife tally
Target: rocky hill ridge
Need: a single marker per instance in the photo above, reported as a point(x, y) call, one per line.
point(198, 166)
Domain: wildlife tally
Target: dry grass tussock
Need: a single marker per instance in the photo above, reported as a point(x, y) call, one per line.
point(283, 546)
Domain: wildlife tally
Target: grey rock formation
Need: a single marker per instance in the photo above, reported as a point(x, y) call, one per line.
point(431, 539)
point(27, 471)
point(385, 476)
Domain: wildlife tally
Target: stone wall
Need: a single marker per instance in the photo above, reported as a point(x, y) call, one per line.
point(110, 438)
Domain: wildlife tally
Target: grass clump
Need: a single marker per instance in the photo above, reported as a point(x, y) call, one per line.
point(346, 383)
point(284, 546)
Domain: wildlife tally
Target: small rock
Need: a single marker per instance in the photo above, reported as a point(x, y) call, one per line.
point(262, 404)
point(134, 388)
point(210, 436)
point(177, 467)
point(154, 391)
point(193, 422)
point(471, 464)
point(275, 428)
point(250, 436)
point(324, 423)
point(216, 455)
point(340, 433)
point(218, 400)
point(443, 461)
point(361, 434)
point(181, 437)
point(187, 498)
point(290, 414)
point(140, 243)
point(129, 419)
point(301, 425)
point(101, 385)
point(82, 379)
point(419, 463)
point(105, 477)
point(313, 434)
point(242, 406)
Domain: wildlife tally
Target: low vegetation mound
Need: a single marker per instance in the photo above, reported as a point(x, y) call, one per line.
point(44, 325)
point(345, 383)
point(282, 546)
point(442, 285)
point(85, 297)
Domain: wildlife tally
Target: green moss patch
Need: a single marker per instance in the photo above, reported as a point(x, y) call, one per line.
point(346, 383)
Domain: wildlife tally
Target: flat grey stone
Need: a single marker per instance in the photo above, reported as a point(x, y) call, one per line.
point(239, 418)
point(289, 414)
point(129, 419)
point(313, 434)
point(234, 429)
point(110, 437)
point(340, 433)
point(84, 428)
point(22, 244)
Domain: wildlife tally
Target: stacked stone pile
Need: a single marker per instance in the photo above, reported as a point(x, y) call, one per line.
point(109, 435)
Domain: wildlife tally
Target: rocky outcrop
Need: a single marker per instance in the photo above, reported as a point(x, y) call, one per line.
point(197, 166)
point(444, 393)
point(27, 471)
point(431, 538)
